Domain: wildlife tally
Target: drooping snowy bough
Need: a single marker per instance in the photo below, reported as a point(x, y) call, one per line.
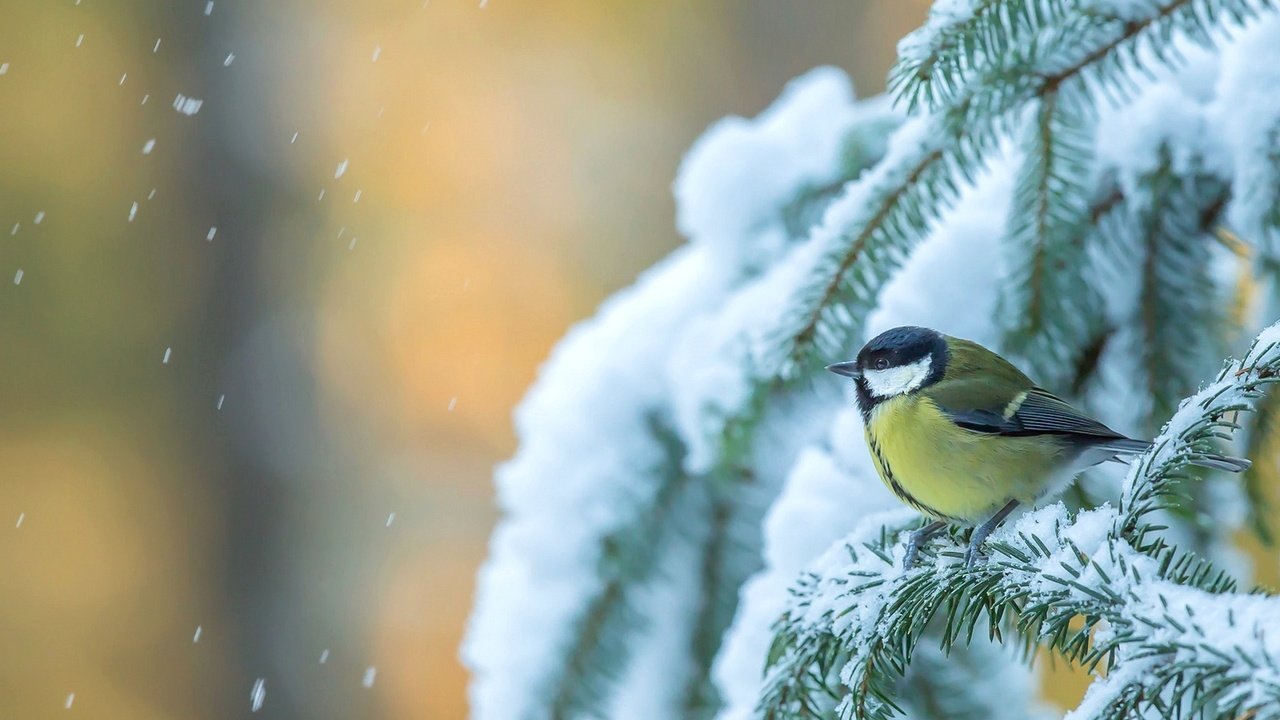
point(1089, 186)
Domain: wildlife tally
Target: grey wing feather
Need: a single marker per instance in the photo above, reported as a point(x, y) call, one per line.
point(1040, 413)
point(1047, 413)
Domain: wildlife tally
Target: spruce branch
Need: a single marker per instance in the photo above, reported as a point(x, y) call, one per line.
point(728, 559)
point(599, 652)
point(803, 669)
point(935, 61)
point(1193, 432)
point(1049, 307)
point(1175, 216)
point(1271, 185)
point(1254, 210)
point(846, 643)
point(1166, 624)
point(1263, 448)
point(894, 205)
point(960, 44)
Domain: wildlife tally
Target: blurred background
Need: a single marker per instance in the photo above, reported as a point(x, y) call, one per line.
point(273, 276)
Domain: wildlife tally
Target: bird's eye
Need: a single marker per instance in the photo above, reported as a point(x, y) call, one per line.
point(882, 364)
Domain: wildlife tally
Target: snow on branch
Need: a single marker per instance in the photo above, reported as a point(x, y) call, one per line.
point(1250, 117)
point(1050, 308)
point(598, 501)
point(879, 219)
point(1168, 627)
point(934, 61)
point(965, 39)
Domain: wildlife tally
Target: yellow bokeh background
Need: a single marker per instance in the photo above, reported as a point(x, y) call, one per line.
point(262, 359)
point(244, 396)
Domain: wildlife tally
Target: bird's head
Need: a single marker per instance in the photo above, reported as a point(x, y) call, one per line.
point(896, 362)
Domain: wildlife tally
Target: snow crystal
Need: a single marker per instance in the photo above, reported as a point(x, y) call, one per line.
point(148, 146)
point(377, 51)
point(324, 656)
point(196, 637)
point(39, 217)
point(71, 698)
point(357, 197)
point(208, 7)
point(342, 166)
point(14, 231)
point(133, 211)
point(122, 77)
point(230, 58)
point(293, 139)
point(4, 68)
point(453, 402)
point(167, 352)
point(17, 277)
point(21, 516)
point(390, 519)
point(352, 245)
point(370, 674)
point(257, 694)
point(186, 105)
point(80, 40)
point(221, 399)
point(212, 231)
point(156, 49)
point(145, 98)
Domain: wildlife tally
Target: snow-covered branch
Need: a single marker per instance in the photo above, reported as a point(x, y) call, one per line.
point(1072, 162)
point(1156, 616)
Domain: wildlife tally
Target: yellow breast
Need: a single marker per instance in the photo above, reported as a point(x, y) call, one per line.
point(954, 474)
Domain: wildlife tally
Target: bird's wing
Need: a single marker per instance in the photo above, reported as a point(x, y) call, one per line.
point(1033, 412)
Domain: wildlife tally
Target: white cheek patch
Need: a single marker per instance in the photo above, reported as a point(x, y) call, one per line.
point(898, 380)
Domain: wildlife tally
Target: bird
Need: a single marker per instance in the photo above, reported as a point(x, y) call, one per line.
point(960, 434)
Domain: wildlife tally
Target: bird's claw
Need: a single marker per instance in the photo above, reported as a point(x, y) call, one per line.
point(973, 555)
point(916, 540)
point(909, 560)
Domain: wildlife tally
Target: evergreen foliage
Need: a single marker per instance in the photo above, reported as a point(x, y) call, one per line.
point(1152, 614)
point(646, 547)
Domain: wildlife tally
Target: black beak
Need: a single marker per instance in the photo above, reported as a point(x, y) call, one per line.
point(847, 369)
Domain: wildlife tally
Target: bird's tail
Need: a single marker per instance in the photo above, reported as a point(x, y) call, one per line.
point(1129, 446)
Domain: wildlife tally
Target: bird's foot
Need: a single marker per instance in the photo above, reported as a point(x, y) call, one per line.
point(973, 554)
point(917, 540)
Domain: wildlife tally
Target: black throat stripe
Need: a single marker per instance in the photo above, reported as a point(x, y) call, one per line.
point(900, 491)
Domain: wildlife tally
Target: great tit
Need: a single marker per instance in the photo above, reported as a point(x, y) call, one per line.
point(960, 434)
